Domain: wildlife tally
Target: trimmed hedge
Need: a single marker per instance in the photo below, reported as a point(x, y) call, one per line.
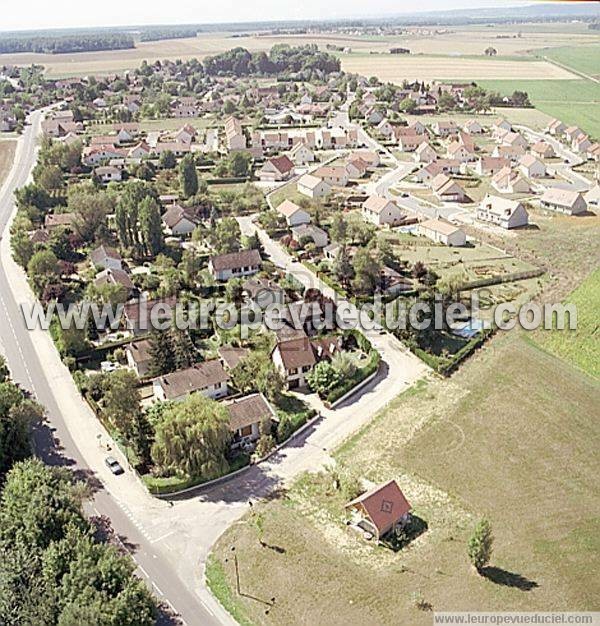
point(355, 379)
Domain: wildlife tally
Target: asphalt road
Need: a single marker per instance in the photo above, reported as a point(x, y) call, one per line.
point(53, 442)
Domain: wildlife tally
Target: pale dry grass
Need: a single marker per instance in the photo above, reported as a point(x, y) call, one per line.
point(7, 153)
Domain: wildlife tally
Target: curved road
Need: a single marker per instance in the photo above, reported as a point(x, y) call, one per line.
point(53, 441)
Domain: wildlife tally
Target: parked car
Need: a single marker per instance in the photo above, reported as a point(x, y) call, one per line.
point(113, 465)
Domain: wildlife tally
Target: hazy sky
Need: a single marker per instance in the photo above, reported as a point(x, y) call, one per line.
point(73, 13)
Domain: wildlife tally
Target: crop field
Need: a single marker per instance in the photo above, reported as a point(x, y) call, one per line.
point(574, 102)
point(460, 449)
point(585, 59)
point(396, 68)
point(7, 152)
point(579, 347)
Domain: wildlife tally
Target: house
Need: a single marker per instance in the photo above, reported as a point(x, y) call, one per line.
point(294, 215)
point(501, 125)
point(301, 154)
point(447, 190)
point(59, 220)
point(568, 201)
point(488, 166)
point(295, 358)
point(108, 173)
point(508, 180)
point(442, 232)
point(380, 211)
point(512, 153)
point(473, 127)
point(246, 415)
point(572, 132)
point(334, 175)
point(409, 143)
point(234, 134)
point(356, 168)
point(263, 292)
point(460, 152)
point(139, 358)
point(309, 231)
point(141, 314)
point(370, 157)
point(514, 139)
point(186, 134)
point(555, 127)
point(593, 152)
point(234, 264)
point(208, 378)
point(417, 127)
point(385, 128)
point(593, 195)
point(105, 257)
point(276, 169)
point(115, 277)
point(542, 150)
point(581, 143)
point(502, 212)
point(380, 510)
point(179, 221)
point(313, 186)
point(230, 356)
point(443, 128)
point(532, 167)
point(374, 116)
point(425, 153)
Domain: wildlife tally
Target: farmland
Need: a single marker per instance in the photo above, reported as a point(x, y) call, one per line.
point(460, 449)
point(574, 102)
point(585, 59)
point(7, 153)
point(580, 347)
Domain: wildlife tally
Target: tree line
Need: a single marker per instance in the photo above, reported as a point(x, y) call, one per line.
point(66, 43)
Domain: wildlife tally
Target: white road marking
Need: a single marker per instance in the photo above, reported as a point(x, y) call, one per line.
point(162, 537)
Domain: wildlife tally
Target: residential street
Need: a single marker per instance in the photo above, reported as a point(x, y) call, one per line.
point(169, 542)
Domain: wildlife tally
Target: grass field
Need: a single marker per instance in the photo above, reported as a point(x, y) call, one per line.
point(580, 347)
point(7, 153)
point(460, 449)
point(574, 102)
point(584, 59)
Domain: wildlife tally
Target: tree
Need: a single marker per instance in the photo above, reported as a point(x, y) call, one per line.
point(193, 439)
point(91, 208)
point(323, 378)
point(43, 270)
point(122, 400)
point(234, 291)
point(188, 177)
point(342, 267)
point(367, 270)
point(184, 351)
point(167, 160)
point(480, 545)
point(490, 51)
point(226, 236)
point(162, 353)
point(257, 372)
point(22, 247)
point(151, 226)
point(408, 105)
point(339, 228)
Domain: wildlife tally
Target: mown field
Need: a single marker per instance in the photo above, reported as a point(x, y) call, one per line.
point(574, 102)
point(460, 449)
point(7, 153)
point(579, 347)
point(584, 59)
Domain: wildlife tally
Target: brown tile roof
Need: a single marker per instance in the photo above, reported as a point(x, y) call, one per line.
point(248, 410)
point(296, 353)
point(114, 277)
point(282, 164)
point(140, 350)
point(232, 355)
point(384, 505)
point(195, 378)
point(104, 252)
point(235, 260)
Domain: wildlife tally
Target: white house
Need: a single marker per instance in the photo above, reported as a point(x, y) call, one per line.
point(568, 201)
point(380, 211)
point(234, 264)
point(442, 232)
point(179, 221)
point(294, 359)
point(208, 378)
point(108, 173)
point(246, 416)
point(334, 175)
point(502, 212)
point(276, 169)
point(313, 186)
point(294, 215)
point(301, 154)
point(317, 235)
point(106, 257)
point(532, 167)
point(425, 153)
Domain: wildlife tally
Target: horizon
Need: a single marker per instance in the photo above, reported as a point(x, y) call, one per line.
point(95, 17)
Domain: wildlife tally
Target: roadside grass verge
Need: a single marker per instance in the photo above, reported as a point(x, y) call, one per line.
point(217, 583)
point(7, 155)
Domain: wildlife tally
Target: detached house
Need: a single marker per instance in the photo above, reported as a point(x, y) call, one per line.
point(295, 359)
point(301, 154)
point(502, 212)
point(334, 175)
point(570, 202)
point(138, 356)
point(380, 510)
point(442, 232)
point(179, 221)
point(276, 169)
point(313, 186)
point(555, 127)
point(444, 128)
point(448, 190)
point(542, 150)
point(532, 167)
point(381, 211)
point(488, 166)
point(208, 378)
point(508, 180)
point(235, 264)
point(425, 153)
point(294, 215)
point(246, 416)
point(105, 257)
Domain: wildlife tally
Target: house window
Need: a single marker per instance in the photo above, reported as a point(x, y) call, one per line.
point(246, 431)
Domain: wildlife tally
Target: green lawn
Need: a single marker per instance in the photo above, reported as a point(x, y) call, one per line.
point(573, 101)
point(580, 347)
point(521, 451)
point(584, 59)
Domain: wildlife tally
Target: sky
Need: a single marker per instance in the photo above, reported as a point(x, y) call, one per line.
point(37, 14)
